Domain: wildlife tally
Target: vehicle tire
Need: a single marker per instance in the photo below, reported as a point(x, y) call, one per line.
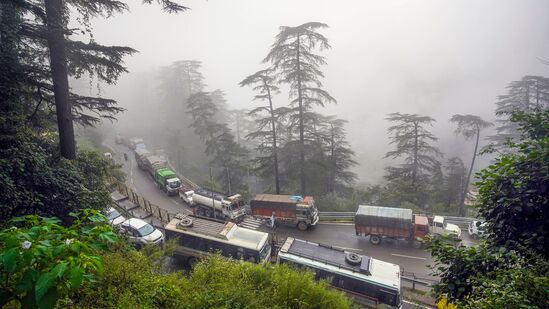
point(302, 226)
point(208, 213)
point(374, 239)
point(186, 222)
point(416, 244)
point(192, 261)
point(353, 258)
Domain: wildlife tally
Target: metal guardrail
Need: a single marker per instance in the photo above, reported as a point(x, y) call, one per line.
point(336, 215)
point(350, 215)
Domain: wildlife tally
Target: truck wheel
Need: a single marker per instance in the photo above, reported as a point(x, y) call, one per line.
point(208, 213)
point(200, 212)
point(374, 239)
point(302, 226)
point(417, 244)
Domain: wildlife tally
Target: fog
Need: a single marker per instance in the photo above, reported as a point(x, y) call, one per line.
point(435, 58)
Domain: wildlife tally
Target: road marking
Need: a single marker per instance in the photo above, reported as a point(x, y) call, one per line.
point(348, 249)
point(410, 257)
point(416, 305)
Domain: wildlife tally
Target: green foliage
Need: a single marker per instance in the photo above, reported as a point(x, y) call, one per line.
point(413, 146)
point(510, 267)
point(529, 94)
point(293, 57)
point(42, 261)
point(488, 276)
point(35, 180)
point(226, 154)
point(513, 192)
point(130, 281)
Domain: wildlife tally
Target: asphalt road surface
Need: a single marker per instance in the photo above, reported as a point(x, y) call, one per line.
point(341, 235)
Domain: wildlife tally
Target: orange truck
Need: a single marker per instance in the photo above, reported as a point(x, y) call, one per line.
point(297, 211)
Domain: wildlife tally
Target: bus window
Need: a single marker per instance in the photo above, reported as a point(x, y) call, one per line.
point(387, 297)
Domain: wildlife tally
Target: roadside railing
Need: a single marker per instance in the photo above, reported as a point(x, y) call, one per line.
point(411, 277)
point(334, 215)
point(149, 209)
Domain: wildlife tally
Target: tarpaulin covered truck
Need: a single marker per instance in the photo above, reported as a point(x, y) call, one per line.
point(386, 222)
point(286, 209)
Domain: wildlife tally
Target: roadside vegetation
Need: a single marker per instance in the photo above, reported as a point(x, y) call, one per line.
point(509, 268)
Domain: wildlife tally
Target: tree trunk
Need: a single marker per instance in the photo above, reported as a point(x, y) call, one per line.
point(466, 187)
point(415, 167)
point(58, 65)
point(301, 129)
point(275, 150)
point(331, 187)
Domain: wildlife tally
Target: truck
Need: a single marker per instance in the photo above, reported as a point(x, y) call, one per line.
point(134, 141)
point(141, 155)
point(394, 223)
point(286, 210)
point(157, 167)
point(207, 203)
point(154, 162)
point(399, 223)
point(167, 180)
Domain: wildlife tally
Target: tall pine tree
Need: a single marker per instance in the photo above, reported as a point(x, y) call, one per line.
point(413, 144)
point(51, 55)
point(265, 84)
point(530, 94)
point(293, 56)
point(469, 126)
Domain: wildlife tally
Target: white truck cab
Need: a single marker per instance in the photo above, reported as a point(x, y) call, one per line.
point(187, 197)
point(441, 227)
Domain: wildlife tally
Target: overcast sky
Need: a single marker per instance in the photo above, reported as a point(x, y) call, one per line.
point(434, 58)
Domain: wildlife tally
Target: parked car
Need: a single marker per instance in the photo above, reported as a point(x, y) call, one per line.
point(141, 233)
point(475, 228)
point(114, 216)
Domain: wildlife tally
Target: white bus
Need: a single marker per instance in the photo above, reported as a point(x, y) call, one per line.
point(198, 237)
point(367, 281)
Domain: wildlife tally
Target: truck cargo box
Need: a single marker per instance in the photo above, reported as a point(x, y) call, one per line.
point(392, 218)
point(282, 202)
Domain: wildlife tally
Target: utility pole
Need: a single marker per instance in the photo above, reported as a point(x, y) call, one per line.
point(212, 191)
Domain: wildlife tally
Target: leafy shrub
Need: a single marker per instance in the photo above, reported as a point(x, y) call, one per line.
point(42, 261)
point(130, 281)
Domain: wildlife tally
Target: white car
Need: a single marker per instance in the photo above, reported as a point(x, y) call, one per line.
point(141, 233)
point(115, 218)
point(440, 226)
point(475, 228)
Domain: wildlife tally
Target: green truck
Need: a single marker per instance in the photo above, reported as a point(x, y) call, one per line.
point(167, 180)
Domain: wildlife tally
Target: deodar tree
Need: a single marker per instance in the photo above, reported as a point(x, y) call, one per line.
point(413, 145)
point(339, 155)
point(265, 84)
point(51, 54)
point(220, 143)
point(530, 94)
point(469, 126)
point(293, 56)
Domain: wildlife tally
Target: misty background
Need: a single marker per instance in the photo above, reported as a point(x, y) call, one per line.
point(430, 58)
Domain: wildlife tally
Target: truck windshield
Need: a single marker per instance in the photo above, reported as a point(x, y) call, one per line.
point(174, 183)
